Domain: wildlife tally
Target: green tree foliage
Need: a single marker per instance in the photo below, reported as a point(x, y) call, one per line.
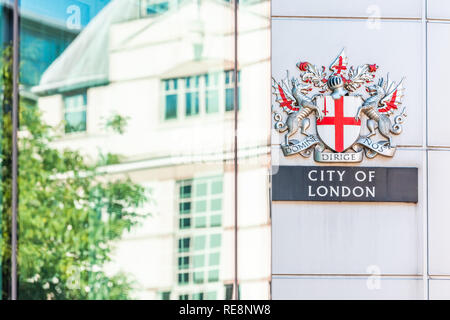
point(5, 172)
point(70, 214)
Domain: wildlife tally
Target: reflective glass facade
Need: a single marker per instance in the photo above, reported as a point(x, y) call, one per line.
point(146, 141)
point(131, 184)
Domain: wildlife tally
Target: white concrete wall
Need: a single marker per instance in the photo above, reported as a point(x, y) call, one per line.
point(358, 250)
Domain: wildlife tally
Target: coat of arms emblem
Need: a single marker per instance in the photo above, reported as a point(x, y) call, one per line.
point(334, 98)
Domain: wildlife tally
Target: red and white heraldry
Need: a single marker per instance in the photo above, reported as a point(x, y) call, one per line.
point(338, 129)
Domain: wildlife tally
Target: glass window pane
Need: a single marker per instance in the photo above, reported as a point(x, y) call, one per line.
point(228, 291)
point(157, 8)
point(75, 121)
point(199, 261)
point(165, 295)
point(192, 103)
point(171, 107)
point(199, 277)
point(184, 244)
point(215, 240)
point(216, 204)
point(200, 189)
point(216, 187)
point(185, 191)
point(200, 222)
point(183, 278)
point(229, 99)
point(212, 101)
point(185, 207)
point(216, 220)
point(183, 263)
point(213, 276)
point(212, 79)
point(197, 296)
point(185, 223)
point(214, 259)
point(199, 243)
point(200, 206)
point(75, 112)
point(211, 296)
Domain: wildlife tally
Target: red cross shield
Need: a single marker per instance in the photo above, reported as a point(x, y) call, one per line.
point(338, 129)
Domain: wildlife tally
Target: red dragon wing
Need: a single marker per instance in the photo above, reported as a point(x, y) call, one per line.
point(283, 95)
point(392, 100)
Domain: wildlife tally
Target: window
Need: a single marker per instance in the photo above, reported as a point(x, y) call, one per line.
point(192, 95)
point(229, 89)
point(171, 97)
point(211, 93)
point(197, 296)
point(183, 278)
point(210, 295)
point(153, 7)
point(200, 203)
point(201, 263)
point(229, 291)
point(165, 295)
point(184, 244)
point(198, 254)
point(75, 112)
point(185, 223)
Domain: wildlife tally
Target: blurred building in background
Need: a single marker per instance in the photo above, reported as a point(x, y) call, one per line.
point(46, 29)
point(167, 69)
point(42, 41)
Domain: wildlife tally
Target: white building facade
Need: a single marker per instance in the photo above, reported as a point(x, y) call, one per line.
point(169, 71)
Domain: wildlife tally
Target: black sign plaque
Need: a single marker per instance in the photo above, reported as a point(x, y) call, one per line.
point(332, 183)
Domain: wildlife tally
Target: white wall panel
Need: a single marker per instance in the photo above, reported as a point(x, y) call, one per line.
point(347, 238)
point(438, 71)
point(325, 238)
point(395, 47)
point(346, 288)
point(438, 9)
point(348, 8)
point(440, 289)
point(439, 212)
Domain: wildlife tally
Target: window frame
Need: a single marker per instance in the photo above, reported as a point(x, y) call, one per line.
point(211, 250)
point(83, 108)
point(192, 89)
point(230, 85)
point(170, 87)
point(145, 4)
point(182, 90)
